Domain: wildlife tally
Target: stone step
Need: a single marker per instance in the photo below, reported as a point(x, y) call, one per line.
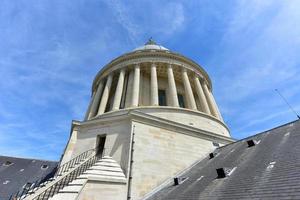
point(64, 196)
point(106, 178)
point(78, 182)
point(106, 164)
point(106, 168)
point(71, 189)
point(106, 173)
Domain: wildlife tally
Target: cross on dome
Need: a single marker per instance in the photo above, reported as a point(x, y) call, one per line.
point(150, 42)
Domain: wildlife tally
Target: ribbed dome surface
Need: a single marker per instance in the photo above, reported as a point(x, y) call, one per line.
point(151, 45)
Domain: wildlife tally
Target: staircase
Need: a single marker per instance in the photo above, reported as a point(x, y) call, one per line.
point(105, 169)
point(44, 189)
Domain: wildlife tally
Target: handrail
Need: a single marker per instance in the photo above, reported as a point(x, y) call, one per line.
point(71, 163)
point(65, 180)
point(21, 194)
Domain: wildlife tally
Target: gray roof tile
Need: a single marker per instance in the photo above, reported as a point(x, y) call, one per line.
point(20, 172)
point(268, 170)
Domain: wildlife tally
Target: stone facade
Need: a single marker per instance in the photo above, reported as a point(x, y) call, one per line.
point(160, 153)
point(153, 112)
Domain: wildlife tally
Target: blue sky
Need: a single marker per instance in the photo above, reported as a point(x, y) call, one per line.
point(50, 51)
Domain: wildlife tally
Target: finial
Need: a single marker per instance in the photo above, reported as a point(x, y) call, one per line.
point(150, 42)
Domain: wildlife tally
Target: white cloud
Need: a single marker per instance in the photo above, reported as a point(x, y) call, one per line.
point(148, 18)
point(171, 18)
point(123, 16)
point(253, 80)
point(259, 51)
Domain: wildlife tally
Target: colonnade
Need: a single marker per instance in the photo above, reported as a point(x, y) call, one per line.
point(102, 94)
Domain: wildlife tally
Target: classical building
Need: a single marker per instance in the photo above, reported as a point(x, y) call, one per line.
point(152, 127)
point(153, 112)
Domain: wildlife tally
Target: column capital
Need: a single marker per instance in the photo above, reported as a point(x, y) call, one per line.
point(196, 76)
point(153, 64)
point(183, 69)
point(204, 82)
point(123, 70)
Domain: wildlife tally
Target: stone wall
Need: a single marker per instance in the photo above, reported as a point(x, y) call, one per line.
point(116, 145)
point(95, 190)
point(159, 154)
point(189, 118)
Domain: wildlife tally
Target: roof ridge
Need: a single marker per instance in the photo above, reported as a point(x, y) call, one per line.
point(36, 159)
point(282, 125)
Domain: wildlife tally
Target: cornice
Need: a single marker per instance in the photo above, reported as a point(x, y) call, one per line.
point(141, 117)
point(151, 56)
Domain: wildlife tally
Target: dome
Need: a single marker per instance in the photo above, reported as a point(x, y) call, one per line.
point(157, 82)
point(151, 45)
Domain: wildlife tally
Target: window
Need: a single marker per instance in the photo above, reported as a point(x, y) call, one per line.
point(8, 163)
point(44, 166)
point(162, 98)
point(181, 100)
point(216, 144)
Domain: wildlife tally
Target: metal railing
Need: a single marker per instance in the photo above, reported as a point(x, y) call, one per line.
point(61, 170)
point(54, 189)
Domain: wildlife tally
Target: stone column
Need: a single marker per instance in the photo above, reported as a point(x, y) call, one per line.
point(96, 100)
point(154, 86)
point(136, 86)
point(211, 102)
point(172, 87)
point(191, 103)
point(105, 95)
point(119, 90)
point(215, 106)
point(203, 103)
point(89, 107)
point(128, 97)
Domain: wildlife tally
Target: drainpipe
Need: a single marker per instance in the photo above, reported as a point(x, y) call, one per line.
point(130, 163)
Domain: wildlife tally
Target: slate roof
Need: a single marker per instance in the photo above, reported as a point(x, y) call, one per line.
point(21, 171)
point(268, 170)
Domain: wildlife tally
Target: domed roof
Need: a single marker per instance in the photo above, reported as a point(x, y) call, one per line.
point(151, 45)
